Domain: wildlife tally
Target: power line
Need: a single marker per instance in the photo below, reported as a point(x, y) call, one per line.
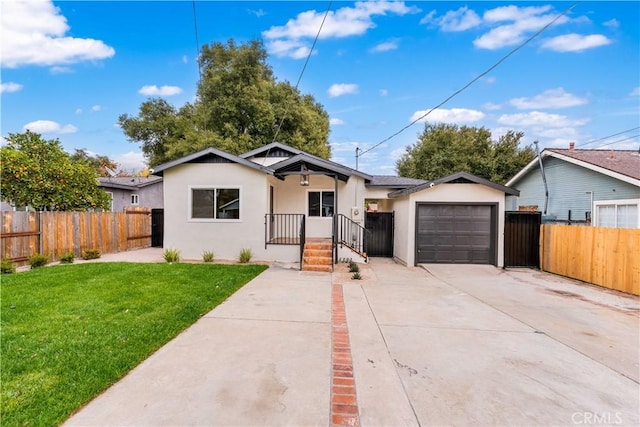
point(304, 67)
point(536, 34)
point(195, 27)
point(607, 137)
point(620, 140)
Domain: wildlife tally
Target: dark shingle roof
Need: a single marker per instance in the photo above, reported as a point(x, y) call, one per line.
point(131, 182)
point(390, 181)
point(625, 162)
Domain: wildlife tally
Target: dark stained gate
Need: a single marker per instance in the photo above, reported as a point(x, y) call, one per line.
point(379, 239)
point(522, 239)
point(157, 227)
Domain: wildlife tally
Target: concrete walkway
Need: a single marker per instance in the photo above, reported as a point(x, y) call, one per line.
point(438, 345)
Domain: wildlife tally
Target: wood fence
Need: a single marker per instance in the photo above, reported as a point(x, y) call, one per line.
point(608, 257)
point(56, 233)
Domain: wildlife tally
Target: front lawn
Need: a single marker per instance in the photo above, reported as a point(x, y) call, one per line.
point(69, 332)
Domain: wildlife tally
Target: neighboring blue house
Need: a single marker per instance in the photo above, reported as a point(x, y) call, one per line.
point(598, 187)
point(133, 192)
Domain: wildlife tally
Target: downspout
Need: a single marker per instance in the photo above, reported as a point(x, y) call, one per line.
point(544, 179)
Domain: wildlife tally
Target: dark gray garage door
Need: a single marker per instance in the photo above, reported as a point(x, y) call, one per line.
point(455, 234)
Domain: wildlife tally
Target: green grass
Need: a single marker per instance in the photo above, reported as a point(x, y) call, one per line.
point(69, 332)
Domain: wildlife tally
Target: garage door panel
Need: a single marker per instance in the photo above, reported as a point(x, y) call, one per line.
point(455, 234)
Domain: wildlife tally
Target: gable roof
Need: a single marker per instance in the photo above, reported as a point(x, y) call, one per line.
point(208, 155)
point(391, 181)
point(456, 178)
point(128, 182)
point(275, 149)
point(623, 165)
point(293, 165)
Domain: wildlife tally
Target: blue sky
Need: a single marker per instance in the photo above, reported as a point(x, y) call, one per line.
point(69, 69)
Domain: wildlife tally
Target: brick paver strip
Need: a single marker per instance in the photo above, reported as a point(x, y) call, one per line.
point(344, 403)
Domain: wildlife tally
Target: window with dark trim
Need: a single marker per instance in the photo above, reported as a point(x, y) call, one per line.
point(135, 199)
point(321, 203)
point(215, 203)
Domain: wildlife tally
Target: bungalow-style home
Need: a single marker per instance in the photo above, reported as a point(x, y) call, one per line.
point(597, 187)
point(287, 205)
point(133, 192)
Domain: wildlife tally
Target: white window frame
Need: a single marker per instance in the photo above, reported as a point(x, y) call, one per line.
point(110, 194)
point(215, 207)
point(615, 203)
point(320, 191)
point(135, 199)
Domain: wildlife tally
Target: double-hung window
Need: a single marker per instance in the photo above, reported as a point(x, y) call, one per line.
point(135, 199)
point(215, 203)
point(321, 203)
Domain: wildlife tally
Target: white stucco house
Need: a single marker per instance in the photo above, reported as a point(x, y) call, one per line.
point(290, 206)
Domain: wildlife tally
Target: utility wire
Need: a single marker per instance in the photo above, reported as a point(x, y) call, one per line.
point(619, 140)
point(195, 27)
point(536, 34)
point(606, 137)
point(303, 70)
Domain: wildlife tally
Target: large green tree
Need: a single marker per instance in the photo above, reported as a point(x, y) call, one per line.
point(443, 149)
point(40, 174)
point(239, 106)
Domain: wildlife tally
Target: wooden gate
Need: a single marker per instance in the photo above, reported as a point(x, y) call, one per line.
point(379, 239)
point(157, 228)
point(522, 239)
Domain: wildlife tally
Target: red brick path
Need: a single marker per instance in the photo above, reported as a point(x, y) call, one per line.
point(344, 404)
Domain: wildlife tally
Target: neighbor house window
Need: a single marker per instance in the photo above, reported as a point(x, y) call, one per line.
point(321, 203)
point(215, 203)
point(617, 213)
point(135, 199)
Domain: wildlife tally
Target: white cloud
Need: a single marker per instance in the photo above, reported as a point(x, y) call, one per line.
point(293, 38)
point(538, 118)
point(34, 33)
point(185, 59)
point(10, 87)
point(454, 115)
point(153, 90)
point(60, 70)
point(521, 22)
point(635, 91)
point(130, 161)
point(383, 92)
point(49, 127)
point(336, 122)
point(397, 153)
point(385, 46)
point(612, 23)
point(96, 108)
point(78, 111)
point(339, 89)
point(575, 42)
point(491, 106)
point(454, 20)
point(258, 13)
point(551, 98)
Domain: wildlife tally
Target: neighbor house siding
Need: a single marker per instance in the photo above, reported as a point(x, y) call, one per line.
point(569, 186)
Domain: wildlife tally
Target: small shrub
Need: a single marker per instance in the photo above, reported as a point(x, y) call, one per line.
point(245, 255)
point(7, 266)
point(38, 260)
point(171, 255)
point(67, 258)
point(356, 276)
point(91, 254)
point(207, 256)
point(353, 267)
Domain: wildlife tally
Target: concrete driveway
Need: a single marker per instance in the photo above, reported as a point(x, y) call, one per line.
point(437, 345)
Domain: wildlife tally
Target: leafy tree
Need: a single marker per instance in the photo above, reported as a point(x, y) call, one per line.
point(40, 174)
point(443, 149)
point(240, 106)
point(102, 164)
